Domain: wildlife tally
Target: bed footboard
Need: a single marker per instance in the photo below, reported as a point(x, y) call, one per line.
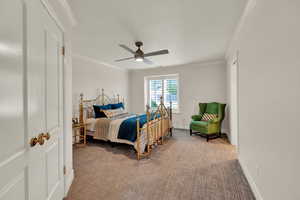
point(158, 126)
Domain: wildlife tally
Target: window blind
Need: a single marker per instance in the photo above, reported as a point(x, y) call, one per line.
point(166, 88)
point(171, 93)
point(156, 91)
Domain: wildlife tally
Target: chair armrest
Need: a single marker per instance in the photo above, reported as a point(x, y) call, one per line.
point(196, 117)
point(215, 120)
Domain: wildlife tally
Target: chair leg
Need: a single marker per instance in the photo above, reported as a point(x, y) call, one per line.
point(191, 132)
point(207, 138)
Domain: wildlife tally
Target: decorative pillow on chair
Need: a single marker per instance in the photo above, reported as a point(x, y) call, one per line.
point(208, 117)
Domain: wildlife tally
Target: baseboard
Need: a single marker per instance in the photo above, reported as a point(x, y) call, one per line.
point(181, 129)
point(68, 181)
point(250, 180)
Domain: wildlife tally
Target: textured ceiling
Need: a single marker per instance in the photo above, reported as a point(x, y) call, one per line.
point(192, 30)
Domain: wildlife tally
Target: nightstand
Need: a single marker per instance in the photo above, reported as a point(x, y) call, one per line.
point(79, 134)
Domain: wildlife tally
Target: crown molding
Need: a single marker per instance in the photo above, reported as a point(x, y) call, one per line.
point(68, 10)
point(93, 60)
point(217, 61)
point(248, 8)
point(208, 62)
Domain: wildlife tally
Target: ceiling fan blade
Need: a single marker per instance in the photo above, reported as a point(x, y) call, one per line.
point(127, 48)
point(147, 61)
point(124, 59)
point(156, 53)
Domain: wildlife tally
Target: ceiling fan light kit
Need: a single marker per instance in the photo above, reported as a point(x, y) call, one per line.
point(139, 55)
point(138, 59)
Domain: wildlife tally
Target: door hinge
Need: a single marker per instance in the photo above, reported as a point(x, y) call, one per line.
point(63, 51)
point(65, 170)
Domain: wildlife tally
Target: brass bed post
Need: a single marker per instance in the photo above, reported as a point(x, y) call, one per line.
point(102, 97)
point(138, 136)
point(81, 109)
point(170, 116)
point(148, 128)
point(118, 98)
point(161, 119)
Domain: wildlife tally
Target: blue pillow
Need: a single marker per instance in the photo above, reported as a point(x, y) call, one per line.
point(117, 105)
point(98, 110)
point(104, 107)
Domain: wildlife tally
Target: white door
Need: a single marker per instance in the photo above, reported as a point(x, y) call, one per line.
point(31, 102)
point(13, 137)
point(44, 90)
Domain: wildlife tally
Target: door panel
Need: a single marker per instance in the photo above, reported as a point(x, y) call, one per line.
point(45, 39)
point(52, 167)
point(13, 143)
point(54, 148)
point(52, 77)
point(11, 79)
point(15, 189)
point(13, 170)
point(36, 97)
point(35, 68)
point(30, 103)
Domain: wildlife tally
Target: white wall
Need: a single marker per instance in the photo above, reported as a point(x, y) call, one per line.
point(268, 42)
point(197, 83)
point(90, 76)
point(232, 97)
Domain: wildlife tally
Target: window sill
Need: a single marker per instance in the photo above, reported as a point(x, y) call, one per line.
point(173, 111)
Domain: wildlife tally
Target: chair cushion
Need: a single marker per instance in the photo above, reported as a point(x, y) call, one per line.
point(212, 108)
point(200, 123)
point(208, 117)
point(200, 126)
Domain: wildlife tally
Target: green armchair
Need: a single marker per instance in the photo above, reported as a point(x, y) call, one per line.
point(210, 129)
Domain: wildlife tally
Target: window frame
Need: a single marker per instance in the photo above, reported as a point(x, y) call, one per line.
point(147, 80)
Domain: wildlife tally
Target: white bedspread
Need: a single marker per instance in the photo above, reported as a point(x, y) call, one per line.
point(113, 132)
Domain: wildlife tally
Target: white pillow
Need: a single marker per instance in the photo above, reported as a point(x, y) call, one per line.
point(113, 112)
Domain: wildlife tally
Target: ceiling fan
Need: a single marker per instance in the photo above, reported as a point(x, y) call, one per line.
point(139, 55)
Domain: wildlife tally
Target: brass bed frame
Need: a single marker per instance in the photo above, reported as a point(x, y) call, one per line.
point(157, 128)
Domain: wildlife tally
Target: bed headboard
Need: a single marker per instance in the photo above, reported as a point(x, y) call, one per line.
point(86, 105)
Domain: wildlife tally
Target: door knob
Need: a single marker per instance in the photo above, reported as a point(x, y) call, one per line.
point(40, 139)
point(47, 136)
point(33, 141)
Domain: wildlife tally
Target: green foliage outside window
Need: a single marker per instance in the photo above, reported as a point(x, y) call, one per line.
point(153, 104)
point(172, 88)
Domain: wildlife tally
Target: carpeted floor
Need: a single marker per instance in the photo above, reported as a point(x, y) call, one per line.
point(186, 167)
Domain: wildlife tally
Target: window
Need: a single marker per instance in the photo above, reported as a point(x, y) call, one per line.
point(162, 86)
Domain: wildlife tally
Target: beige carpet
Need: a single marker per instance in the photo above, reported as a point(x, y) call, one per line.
point(186, 167)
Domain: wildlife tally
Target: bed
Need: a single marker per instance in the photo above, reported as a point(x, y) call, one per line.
point(106, 119)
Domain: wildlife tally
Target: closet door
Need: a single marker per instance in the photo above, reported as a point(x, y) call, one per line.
point(54, 109)
point(13, 142)
point(31, 146)
point(44, 88)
